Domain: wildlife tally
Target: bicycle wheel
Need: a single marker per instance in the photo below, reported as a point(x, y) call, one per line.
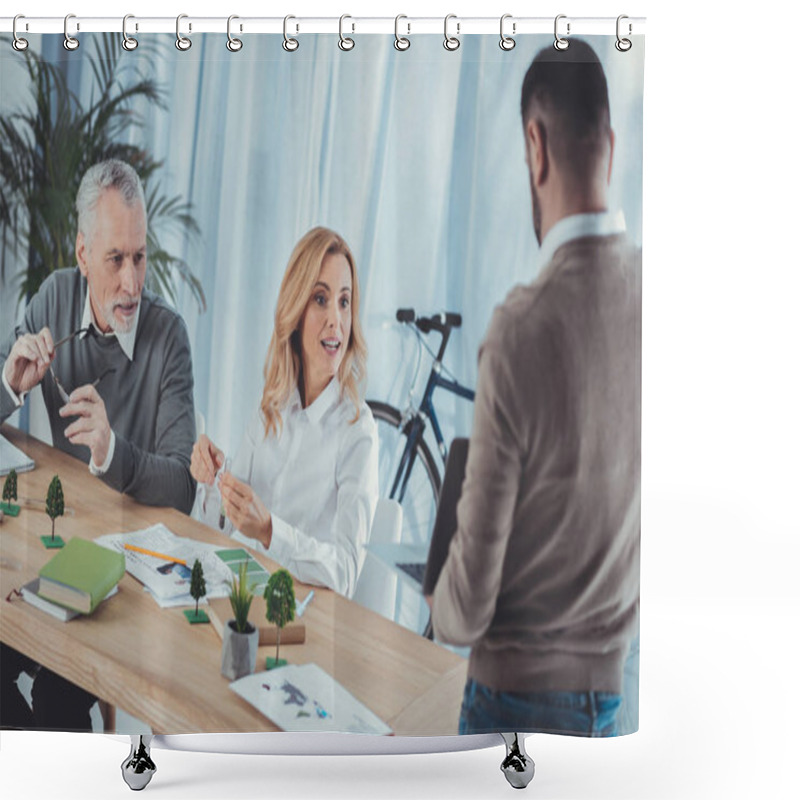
point(422, 490)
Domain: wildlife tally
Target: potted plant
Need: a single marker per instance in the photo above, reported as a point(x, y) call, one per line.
point(49, 141)
point(240, 638)
point(279, 594)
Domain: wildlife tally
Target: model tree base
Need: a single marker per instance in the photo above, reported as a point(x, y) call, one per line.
point(9, 509)
point(197, 618)
point(272, 663)
point(52, 542)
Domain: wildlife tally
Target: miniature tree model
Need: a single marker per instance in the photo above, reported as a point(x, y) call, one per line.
point(55, 508)
point(10, 493)
point(197, 590)
point(279, 594)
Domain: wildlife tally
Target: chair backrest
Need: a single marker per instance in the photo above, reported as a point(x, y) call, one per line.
point(387, 525)
point(377, 583)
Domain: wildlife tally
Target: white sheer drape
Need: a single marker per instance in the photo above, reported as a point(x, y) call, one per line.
point(416, 158)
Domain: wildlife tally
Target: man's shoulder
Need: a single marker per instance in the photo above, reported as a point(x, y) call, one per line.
point(61, 283)
point(518, 311)
point(60, 296)
point(590, 251)
point(159, 313)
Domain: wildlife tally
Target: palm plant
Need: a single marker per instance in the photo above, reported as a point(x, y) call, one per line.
point(47, 146)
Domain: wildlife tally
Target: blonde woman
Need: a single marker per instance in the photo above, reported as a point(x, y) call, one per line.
point(304, 484)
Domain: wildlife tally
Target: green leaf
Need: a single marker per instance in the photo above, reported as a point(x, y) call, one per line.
point(48, 143)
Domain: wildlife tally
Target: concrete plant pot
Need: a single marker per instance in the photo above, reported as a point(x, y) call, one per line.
point(239, 651)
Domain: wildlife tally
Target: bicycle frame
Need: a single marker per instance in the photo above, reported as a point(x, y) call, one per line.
point(415, 426)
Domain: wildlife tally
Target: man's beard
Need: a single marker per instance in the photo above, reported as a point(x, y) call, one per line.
point(537, 212)
point(112, 320)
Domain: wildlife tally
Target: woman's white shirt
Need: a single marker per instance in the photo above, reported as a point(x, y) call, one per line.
point(319, 479)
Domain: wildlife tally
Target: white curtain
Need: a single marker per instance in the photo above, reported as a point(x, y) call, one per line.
point(415, 157)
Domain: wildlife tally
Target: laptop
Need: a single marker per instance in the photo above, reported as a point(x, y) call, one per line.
point(445, 525)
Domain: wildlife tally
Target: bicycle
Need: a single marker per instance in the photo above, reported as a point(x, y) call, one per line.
point(405, 458)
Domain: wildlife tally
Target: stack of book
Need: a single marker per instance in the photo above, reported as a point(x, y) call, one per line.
point(80, 576)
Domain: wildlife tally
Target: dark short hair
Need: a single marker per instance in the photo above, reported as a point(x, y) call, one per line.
point(568, 92)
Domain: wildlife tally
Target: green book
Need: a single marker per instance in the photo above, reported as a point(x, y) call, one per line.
point(81, 575)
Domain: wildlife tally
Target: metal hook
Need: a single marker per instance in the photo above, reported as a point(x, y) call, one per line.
point(345, 42)
point(289, 44)
point(19, 44)
point(451, 43)
point(506, 42)
point(400, 42)
point(183, 43)
point(233, 44)
point(623, 45)
point(128, 42)
point(70, 42)
point(561, 43)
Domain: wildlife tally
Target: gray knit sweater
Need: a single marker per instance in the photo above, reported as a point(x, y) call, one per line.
point(542, 577)
point(149, 400)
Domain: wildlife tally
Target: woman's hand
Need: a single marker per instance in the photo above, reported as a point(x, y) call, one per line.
point(244, 509)
point(207, 458)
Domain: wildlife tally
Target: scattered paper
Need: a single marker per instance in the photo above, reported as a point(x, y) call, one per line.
point(305, 698)
point(164, 578)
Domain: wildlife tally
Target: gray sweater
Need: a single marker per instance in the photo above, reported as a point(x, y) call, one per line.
point(542, 577)
point(149, 400)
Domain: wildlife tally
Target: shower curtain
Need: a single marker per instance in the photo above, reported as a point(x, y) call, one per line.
point(482, 198)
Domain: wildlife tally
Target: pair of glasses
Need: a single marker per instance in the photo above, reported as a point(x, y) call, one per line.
point(63, 393)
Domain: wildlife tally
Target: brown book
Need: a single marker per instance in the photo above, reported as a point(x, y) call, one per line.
point(219, 612)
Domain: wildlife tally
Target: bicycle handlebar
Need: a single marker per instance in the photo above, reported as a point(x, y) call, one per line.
point(441, 322)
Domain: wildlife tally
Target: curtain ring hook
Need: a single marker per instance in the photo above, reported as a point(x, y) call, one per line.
point(128, 42)
point(623, 45)
point(561, 43)
point(183, 43)
point(70, 42)
point(451, 43)
point(289, 44)
point(345, 42)
point(507, 42)
point(400, 42)
point(19, 44)
point(233, 44)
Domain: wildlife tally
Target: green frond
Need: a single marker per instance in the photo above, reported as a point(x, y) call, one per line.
point(48, 143)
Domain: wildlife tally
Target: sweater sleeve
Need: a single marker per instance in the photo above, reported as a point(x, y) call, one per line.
point(162, 477)
point(466, 593)
point(335, 564)
point(34, 320)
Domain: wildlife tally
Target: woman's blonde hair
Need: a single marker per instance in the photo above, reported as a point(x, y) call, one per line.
point(283, 369)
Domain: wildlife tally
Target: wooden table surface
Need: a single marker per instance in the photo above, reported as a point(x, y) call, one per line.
point(150, 662)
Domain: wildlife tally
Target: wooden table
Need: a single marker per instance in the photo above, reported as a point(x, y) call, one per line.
point(150, 662)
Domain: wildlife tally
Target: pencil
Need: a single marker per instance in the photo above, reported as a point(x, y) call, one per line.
point(153, 553)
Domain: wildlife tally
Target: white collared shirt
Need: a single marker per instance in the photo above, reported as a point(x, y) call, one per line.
point(319, 480)
point(127, 342)
point(576, 226)
point(126, 339)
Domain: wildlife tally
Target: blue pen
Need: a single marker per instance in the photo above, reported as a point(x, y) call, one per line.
point(302, 607)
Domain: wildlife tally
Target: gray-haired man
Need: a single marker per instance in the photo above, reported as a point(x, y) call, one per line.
point(120, 394)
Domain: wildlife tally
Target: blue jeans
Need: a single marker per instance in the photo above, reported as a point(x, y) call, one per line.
point(628, 718)
point(484, 710)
